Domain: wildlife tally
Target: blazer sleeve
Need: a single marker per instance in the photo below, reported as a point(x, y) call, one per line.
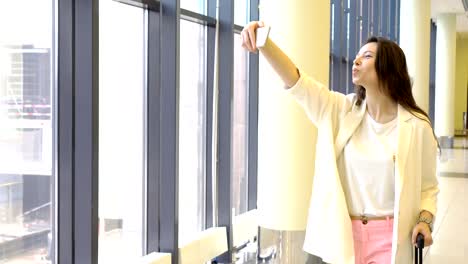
point(318, 101)
point(429, 182)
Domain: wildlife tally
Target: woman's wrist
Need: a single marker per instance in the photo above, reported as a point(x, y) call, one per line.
point(427, 218)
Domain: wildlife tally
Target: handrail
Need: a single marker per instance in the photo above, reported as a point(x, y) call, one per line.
point(8, 184)
point(21, 216)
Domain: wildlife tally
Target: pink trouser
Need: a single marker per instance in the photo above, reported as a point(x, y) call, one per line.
point(373, 241)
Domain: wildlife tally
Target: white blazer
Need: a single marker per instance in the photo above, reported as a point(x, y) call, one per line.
point(329, 231)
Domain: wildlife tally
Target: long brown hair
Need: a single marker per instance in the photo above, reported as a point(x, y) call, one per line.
point(394, 80)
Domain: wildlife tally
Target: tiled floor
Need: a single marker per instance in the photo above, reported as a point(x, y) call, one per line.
point(451, 227)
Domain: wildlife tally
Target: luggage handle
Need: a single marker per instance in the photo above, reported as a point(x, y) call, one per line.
point(418, 256)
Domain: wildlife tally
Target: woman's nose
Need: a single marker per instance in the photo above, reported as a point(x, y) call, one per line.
point(356, 61)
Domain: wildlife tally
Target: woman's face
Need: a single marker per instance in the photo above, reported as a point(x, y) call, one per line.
point(364, 73)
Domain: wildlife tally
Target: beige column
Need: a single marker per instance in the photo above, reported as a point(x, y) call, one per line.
point(286, 136)
point(415, 39)
point(461, 81)
point(445, 78)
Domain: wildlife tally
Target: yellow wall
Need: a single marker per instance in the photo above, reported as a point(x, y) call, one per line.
point(461, 81)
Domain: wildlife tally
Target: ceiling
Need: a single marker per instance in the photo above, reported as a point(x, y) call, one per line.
point(452, 6)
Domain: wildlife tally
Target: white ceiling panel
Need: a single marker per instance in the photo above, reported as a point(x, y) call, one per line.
point(451, 6)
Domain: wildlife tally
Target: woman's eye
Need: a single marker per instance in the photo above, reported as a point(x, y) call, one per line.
point(368, 56)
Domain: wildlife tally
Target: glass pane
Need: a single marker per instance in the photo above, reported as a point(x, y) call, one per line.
point(26, 126)
point(192, 132)
point(239, 128)
point(122, 52)
point(197, 6)
point(241, 12)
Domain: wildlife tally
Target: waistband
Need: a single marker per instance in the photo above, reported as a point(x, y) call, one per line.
point(365, 219)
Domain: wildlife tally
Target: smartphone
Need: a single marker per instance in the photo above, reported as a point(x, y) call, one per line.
point(262, 36)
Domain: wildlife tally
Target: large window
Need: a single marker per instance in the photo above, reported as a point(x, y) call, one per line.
point(192, 130)
point(197, 6)
point(240, 113)
point(241, 12)
point(122, 51)
point(131, 144)
point(240, 129)
point(27, 90)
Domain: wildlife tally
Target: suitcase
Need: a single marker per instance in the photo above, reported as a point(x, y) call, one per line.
point(418, 249)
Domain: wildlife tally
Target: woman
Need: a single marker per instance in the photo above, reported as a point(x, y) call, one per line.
point(375, 185)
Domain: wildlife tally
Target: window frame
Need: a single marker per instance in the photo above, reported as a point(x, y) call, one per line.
point(77, 109)
point(77, 131)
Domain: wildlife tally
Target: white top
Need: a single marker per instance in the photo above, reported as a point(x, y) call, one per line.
point(367, 168)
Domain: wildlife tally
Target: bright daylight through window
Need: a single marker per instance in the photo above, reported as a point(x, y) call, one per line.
point(26, 126)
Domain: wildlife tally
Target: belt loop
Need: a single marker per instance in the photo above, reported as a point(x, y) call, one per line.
point(388, 221)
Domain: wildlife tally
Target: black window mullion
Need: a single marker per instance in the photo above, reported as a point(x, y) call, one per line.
point(432, 69)
point(65, 116)
point(153, 134)
point(211, 35)
point(343, 45)
point(385, 14)
point(225, 86)
point(152, 5)
point(365, 21)
point(330, 58)
point(169, 178)
point(353, 37)
point(238, 29)
point(371, 18)
point(397, 23)
point(376, 26)
point(253, 118)
point(86, 113)
point(392, 19)
point(336, 46)
point(198, 18)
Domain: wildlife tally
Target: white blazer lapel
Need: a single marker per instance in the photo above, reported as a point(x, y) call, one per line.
point(348, 125)
point(404, 137)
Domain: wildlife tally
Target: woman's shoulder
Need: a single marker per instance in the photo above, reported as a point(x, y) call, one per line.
point(421, 123)
point(353, 104)
point(414, 117)
point(420, 120)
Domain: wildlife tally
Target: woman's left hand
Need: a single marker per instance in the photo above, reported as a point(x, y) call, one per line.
point(424, 229)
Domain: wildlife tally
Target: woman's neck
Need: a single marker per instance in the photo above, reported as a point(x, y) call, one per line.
point(381, 107)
